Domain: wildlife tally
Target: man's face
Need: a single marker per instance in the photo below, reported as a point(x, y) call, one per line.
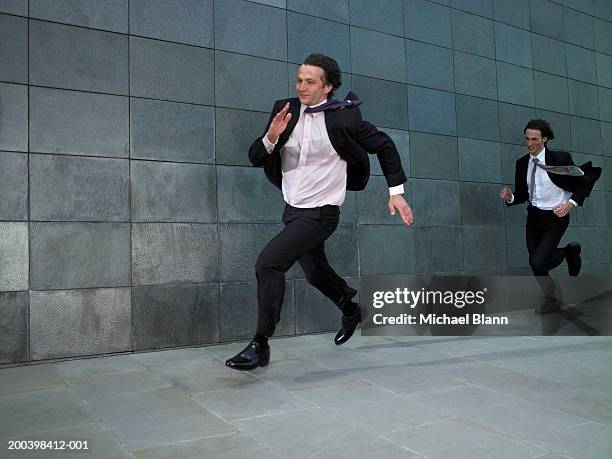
point(309, 85)
point(534, 141)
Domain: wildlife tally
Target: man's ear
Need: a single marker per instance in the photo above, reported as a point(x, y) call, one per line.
point(327, 87)
point(545, 139)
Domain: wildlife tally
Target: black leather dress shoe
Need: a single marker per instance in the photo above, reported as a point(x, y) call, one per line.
point(249, 358)
point(349, 324)
point(572, 255)
point(550, 306)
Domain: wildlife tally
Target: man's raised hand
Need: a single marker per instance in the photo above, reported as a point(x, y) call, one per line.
point(278, 124)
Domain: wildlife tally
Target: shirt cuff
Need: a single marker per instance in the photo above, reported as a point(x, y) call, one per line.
point(399, 189)
point(511, 199)
point(574, 203)
point(269, 145)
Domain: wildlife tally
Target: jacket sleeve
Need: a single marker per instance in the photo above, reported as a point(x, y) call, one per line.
point(521, 192)
point(583, 185)
point(258, 155)
point(376, 142)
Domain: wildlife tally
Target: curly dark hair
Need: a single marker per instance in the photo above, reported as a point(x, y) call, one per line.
point(541, 125)
point(331, 70)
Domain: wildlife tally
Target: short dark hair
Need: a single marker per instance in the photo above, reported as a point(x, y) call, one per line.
point(331, 70)
point(541, 125)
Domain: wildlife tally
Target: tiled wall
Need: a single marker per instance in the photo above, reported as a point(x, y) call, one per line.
point(131, 219)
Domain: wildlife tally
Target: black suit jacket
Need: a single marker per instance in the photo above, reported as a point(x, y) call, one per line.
point(351, 137)
point(580, 187)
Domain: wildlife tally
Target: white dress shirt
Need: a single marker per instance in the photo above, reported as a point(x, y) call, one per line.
point(547, 194)
point(314, 174)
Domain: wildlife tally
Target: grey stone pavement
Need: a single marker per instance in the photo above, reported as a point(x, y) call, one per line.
point(374, 397)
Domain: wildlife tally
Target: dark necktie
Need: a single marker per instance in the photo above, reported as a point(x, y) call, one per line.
point(532, 180)
point(351, 100)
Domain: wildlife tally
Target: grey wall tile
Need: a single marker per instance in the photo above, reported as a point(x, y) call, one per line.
point(595, 244)
point(239, 247)
point(548, 54)
point(604, 70)
point(602, 9)
point(434, 156)
point(428, 22)
point(509, 154)
point(605, 103)
point(14, 331)
point(603, 36)
point(515, 215)
point(514, 12)
point(429, 65)
point(172, 192)
point(512, 121)
point(341, 252)
point(79, 255)
point(515, 84)
point(512, 45)
point(586, 135)
point(593, 212)
point(385, 16)
point(247, 28)
point(475, 76)
point(547, 18)
point(586, 6)
point(86, 13)
point(372, 203)
point(378, 55)
point(401, 139)
point(183, 21)
point(306, 35)
point(438, 249)
point(13, 117)
point(169, 71)
point(578, 28)
point(435, 202)
point(61, 56)
point(175, 315)
point(277, 3)
point(384, 102)
point(480, 7)
point(607, 176)
point(19, 7)
point(174, 253)
point(583, 99)
point(314, 312)
point(473, 34)
point(13, 49)
point(580, 64)
point(609, 208)
point(65, 188)
point(14, 269)
point(247, 196)
point(377, 256)
point(484, 248)
point(479, 161)
point(477, 118)
point(70, 323)
point(348, 213)
point(516, 250)
point(78, 123)
point(561, 127)
point(235, 131)
point(431, 111)
point(551, 92)
point(248, 82)
point(238, 312)
point(606, 138)
point(13, 186)
point(172, 131)
point(334, 11)
point(480, 204)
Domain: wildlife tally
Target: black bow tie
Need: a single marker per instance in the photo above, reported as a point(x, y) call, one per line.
point(351, 100)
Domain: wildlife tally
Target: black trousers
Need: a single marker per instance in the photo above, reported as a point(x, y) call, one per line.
point(302, 240)
point(544, 232)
